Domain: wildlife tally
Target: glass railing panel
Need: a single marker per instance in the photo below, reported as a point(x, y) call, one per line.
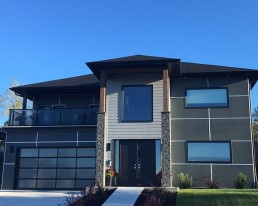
point(72, 116)
point(23, 117)
point(91, 116)
point(49, 117)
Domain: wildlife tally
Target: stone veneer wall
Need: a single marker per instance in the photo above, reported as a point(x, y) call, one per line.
point(100, 149)
point(166, 144)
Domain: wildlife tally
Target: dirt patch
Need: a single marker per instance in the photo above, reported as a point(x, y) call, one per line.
point(93, 197)
point(157, 197)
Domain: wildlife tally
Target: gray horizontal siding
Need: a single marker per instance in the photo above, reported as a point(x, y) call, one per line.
point(116, 129)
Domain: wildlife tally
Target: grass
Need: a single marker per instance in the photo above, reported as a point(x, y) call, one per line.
point(220, 197)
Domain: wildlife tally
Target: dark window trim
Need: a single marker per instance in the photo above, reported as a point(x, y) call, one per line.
point(208, 162)
point(205, 88)
point(122, 105)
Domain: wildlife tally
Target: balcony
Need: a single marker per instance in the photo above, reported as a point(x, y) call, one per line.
point(53, 117)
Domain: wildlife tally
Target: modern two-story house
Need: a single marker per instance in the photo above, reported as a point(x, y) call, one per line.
point(138, 115)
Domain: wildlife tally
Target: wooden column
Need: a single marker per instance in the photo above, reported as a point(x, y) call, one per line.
point(165, 91)
point(102, 104)
point(24, 102)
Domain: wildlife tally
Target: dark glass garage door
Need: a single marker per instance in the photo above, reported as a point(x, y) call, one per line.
point(55, 168)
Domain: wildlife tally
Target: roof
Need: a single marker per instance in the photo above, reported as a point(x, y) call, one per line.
point(90, 82)
point(203, 70)
point(192, 68)
point(130, 61)
point(136, 58)
point(82, 82)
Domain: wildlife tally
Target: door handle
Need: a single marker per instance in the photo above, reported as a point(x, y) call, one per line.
point(134, 166)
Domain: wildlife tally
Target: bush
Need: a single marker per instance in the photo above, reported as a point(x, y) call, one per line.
point(94, 195)
point(241, 182)
point(153, 201)
point(212, 184)
point(184, 181)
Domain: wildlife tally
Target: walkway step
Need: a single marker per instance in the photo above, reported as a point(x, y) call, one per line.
point(124, 196)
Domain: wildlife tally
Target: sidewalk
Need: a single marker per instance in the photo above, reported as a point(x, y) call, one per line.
point(124, 196)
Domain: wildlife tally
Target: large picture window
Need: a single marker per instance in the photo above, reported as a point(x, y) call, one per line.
point(209, 152)
point(196, 98)
point(137, 103)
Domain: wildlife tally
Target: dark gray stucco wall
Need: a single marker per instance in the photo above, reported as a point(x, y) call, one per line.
point(41, 137)
point(214, 124)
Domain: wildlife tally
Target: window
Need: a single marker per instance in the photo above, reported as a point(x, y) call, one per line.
point(196, 98)
point(208, 152)
point(137, 103)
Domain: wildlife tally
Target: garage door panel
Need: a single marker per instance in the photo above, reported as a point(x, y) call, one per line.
point(45, 184)
point(85, 173)
point(86, 152)
point(29, 153)
point(86, 162)
point(27, 184)
point(46, 173)
point(28, 173)
point(65, 173)
point(28, 162)
point(47, 162)
point(47, 152)
point(56, 168)
point(67, 152)
point(65, 184)
point(67, 162)
point(83, 183)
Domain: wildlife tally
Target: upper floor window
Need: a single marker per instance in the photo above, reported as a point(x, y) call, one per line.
point(210, 97)
point(137, 103)
point(209, 152)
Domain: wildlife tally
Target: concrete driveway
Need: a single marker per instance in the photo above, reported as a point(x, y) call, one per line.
point(33, 198)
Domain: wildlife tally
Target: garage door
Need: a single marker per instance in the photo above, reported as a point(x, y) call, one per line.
point(55, 168)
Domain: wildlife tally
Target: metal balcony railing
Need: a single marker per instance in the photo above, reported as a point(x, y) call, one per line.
point(53, 117)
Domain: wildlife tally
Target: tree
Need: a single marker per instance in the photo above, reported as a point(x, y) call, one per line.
point(9, 100)
point(255, 120)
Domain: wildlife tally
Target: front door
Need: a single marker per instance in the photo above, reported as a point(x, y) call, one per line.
point(137, 163)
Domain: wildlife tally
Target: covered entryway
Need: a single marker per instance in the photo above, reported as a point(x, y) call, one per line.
point(55, 168)
point(138, 162)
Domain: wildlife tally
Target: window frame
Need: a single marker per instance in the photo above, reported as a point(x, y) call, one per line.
point(122, 103)
point(208, 162)
point(210, 106)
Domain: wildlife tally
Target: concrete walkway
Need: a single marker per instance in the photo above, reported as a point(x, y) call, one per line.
point(32, 198)
point(124, 196)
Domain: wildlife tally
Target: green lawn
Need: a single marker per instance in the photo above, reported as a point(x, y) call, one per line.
point(220, 197)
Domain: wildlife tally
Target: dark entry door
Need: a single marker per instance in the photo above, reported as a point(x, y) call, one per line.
point(137, 163)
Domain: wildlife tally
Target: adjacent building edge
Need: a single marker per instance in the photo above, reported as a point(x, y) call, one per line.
point(100, 149)
point(166, 180)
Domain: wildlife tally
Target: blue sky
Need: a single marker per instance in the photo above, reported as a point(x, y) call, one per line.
point(51, 39)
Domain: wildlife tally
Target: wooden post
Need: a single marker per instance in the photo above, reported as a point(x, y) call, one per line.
point(165, 90)
point(102, 104)
point(24, 102)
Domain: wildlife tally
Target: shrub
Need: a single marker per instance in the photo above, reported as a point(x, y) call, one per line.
point(93, 195)
point(241, 182)
point(212, 184)
point(184, 181)
point(153, 201)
